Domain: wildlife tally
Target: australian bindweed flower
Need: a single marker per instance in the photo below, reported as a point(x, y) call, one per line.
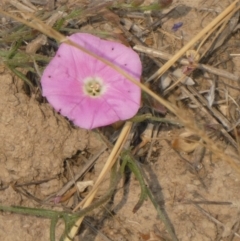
point(87, 91)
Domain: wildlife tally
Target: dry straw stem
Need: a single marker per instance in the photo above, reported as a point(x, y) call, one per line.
point(107, 167)
point(216, 221)
point(166, 56)
point(190, 124)
point(231, 8)
point(42, 27)
point(223, 24)
point(111, 159)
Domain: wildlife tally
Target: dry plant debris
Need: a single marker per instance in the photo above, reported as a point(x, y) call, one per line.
point(188, 155)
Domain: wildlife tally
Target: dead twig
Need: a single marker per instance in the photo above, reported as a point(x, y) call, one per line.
point(35, 44)
point(192, 92)
point(214, 219)
point(230, 9)
point(183, 61)
point(68, 185)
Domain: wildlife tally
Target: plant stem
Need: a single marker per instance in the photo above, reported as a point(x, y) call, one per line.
point(145, 191)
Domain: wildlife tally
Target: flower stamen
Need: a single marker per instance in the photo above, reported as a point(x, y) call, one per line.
point(93, 86)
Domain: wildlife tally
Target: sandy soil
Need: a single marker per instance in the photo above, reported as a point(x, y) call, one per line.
point(36, 143)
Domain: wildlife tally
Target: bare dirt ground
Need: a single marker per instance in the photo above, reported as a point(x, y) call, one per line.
point(40, 151)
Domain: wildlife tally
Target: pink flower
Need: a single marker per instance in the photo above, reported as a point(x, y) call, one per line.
point(87, 91)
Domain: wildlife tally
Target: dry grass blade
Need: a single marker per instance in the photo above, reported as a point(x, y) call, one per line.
point(181, 52)
point(107, 167)
point(182, 61)
point(214, 219)
point(203, 108)
point(41, 39)
point(189, 123)
point(112, 157)
point(21, 6)
point(220, 35)
point(77, 176)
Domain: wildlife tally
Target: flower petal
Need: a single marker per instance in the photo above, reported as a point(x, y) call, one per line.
point(64, 79)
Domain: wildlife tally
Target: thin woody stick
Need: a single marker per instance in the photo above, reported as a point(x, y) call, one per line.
point(181, 52)
point(189, 123)
point(166, 56)
point(108, 165)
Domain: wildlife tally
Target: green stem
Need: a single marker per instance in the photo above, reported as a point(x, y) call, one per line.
point(128, 159)
point(45, 213)
point(20, 75)
point(145, 191)
point(69, 218)
point(162, 216)
point(54, 221)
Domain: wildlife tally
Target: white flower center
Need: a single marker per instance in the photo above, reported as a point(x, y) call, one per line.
point(93, 86)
